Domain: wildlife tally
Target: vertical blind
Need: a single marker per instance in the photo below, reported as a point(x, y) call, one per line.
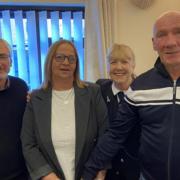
point(31, 32)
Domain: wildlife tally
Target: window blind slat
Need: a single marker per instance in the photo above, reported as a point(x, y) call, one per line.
point(78, 40)
point(33, 50)
point(43, 33)
point(31, 37)
point(0, 29)
point(55, 25)
point(66, 25)
point(7, 35)
point(20, 46)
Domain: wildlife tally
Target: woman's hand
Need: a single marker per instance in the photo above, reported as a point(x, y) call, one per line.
point(28, 96)
point(50, 176)
point(100, 175)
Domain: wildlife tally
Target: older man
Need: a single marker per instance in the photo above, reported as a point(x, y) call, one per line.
point(12, 105)
point(153, 100)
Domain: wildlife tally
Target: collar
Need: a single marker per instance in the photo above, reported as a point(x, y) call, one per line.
point(159, 66)
point(115, 90)
point(7, 84)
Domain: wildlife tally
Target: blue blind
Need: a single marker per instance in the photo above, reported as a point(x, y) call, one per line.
point(31, 32)
point(0, 30)
point(66, 25)
point(55, 26)
point(33, 62)
point(7, 35)
point(43, 38)
point(20, 46)
point(78, 34)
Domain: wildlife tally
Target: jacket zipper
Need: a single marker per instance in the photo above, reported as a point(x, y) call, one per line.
point(172, 129)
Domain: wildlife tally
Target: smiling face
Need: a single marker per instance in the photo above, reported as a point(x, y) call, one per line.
point(121, 61)
point(64, 70)
point(5, 61)
point(166, 39)
point(121, 70)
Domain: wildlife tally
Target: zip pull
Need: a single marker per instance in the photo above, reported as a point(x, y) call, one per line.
point(174, 89)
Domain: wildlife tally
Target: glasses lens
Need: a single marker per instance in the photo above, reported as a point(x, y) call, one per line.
point(72, 59)
point(4, 56)
point(60, 57)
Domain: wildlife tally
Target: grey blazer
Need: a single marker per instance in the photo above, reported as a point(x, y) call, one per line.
point(38, 150)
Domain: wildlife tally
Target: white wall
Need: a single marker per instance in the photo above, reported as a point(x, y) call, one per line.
point(134, 27)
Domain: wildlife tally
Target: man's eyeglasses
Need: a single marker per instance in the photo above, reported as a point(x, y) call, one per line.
point(61, 58)
point(4, 57)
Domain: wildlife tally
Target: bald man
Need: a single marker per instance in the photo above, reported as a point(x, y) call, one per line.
point(153, 100)
point(12, 105)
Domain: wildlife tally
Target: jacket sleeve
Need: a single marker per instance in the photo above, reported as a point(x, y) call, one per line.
point(109, 144)
point(36, 163)
point(101, 112)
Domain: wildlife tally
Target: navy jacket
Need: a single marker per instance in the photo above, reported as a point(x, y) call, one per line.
point(125, 164)
point(154, 101)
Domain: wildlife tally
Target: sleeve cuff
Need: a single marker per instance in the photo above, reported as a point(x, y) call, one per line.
point(43, 171)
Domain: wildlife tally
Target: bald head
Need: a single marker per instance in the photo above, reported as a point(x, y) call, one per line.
point(5, 44)
point(166, 41)
point(5, 62)
point(165, 19)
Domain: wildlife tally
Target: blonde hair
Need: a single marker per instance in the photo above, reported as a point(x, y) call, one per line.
point(47, 83)
point(121, 51)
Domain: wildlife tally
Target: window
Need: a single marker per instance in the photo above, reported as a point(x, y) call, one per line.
point(31, 30)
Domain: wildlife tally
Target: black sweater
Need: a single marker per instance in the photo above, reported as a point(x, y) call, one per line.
point(12, 106)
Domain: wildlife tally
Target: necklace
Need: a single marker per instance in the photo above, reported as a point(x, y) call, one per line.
point(64, 96)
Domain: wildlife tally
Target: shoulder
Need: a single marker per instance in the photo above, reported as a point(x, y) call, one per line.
point(147, 80)
point(104, 82)
point(105, 85)
point(40, 92)
point(92, 86)
point(16, 81)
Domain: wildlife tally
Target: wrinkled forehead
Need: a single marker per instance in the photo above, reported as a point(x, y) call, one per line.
point(167, 21)
point(4, 49)
point(65, 47)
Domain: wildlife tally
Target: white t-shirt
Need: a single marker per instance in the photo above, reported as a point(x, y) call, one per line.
point(63, 130)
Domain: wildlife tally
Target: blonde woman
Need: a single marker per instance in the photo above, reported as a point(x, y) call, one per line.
point(121, 62)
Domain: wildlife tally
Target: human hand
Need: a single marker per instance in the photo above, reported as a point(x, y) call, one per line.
point(50, 176)
point(100, 175)
point(28, 96)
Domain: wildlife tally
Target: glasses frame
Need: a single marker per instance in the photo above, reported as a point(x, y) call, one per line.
point(62, 57)
point(4, 57)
